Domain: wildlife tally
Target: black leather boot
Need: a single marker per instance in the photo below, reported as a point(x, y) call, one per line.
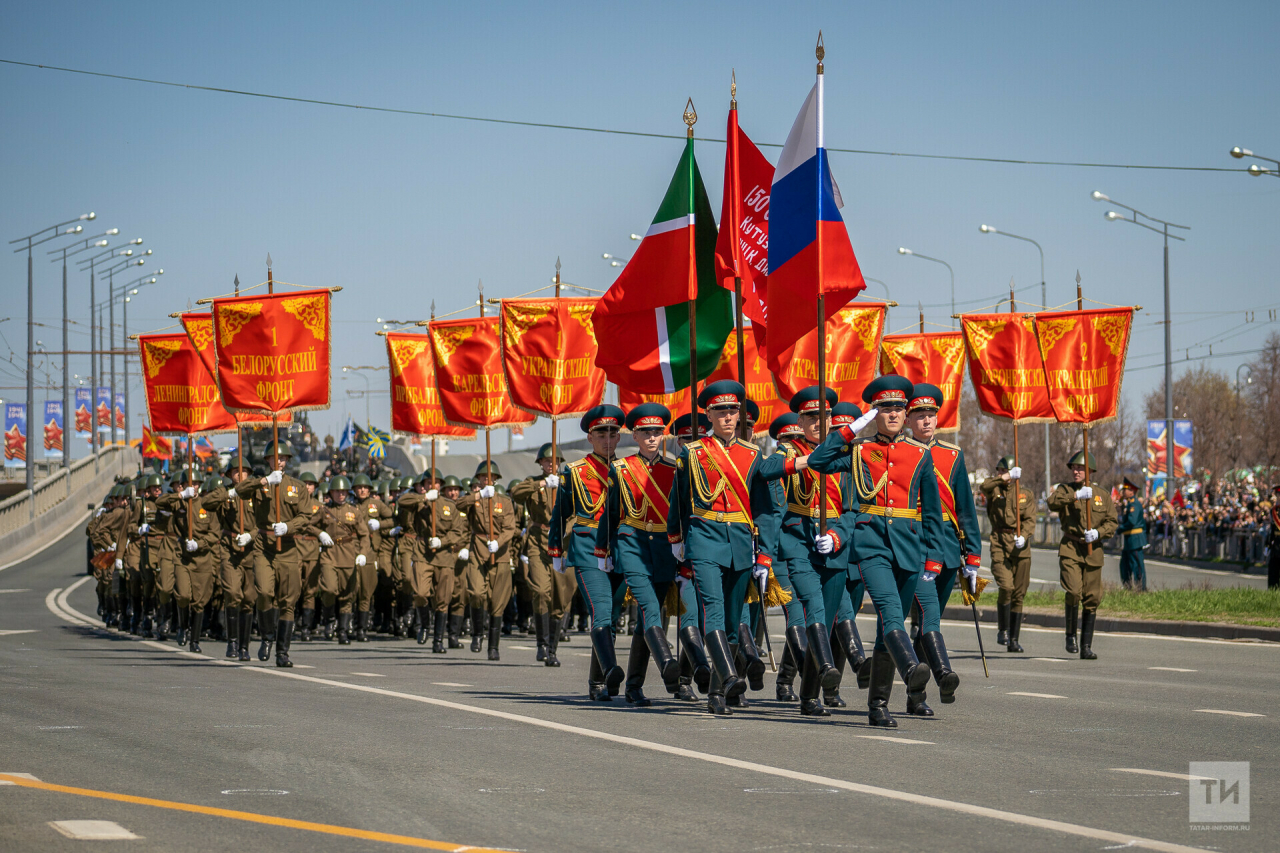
point(668, 668)
point(637, 665)
point(267, 628)
point(161, 621)
point(135, 615)
point(692, 648)
point(846, 634)
point(1015, 631)
point(245, 624)
point(552, 627)
point(722, 671)
point(184, 620)
point(793, 655)
point(879, 690)
point(197, 623)
point(232, 617)
point(597, 690)
point(717, 704)
point(305, 618)
point(754, 666)
point(479, 622)
point(344, 629)
point(362, 626)
point(329, 616)
point(914, 673)
point(935, 652)
point(425, 625)
point(495, 633)
point(541, 627)
point(810, 678)
point(455, 630)
point(602, 645)
point(864, 675)
point(1086, 635)
point(1002, 624)
point(831, 698)
point(437, 630)
point(820, 650)
point(1072, 615)
point(284, 638)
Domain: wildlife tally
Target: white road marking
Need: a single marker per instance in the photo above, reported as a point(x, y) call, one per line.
point(449, 684)
point(2, 591)
point(894, 739)
point(942, 804)
point(307, 665)
point(93, 830)
point(530, 648)
point(1228, 713)
point(1052, 660)
point(1163, 773)
point(1036, 695)
point(582, 654)
point(78, 523)
point(1170, 669)
point(23, 775)
point(5, 633)
point(370, 674)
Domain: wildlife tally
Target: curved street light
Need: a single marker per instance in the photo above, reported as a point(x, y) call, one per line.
point(904, 251)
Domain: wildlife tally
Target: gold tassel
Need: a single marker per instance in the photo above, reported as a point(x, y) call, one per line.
point(629, 599)
point(981, 584)
point(774, 593)
point(674, 603)
point(753, 594)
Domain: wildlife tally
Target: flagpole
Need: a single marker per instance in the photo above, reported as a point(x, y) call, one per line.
point(690, 119)
point(433, 448)
point(488, 454)
point(275, 420)
point(555, 454)
point(1017, 486)
point(734, 227)
point(1084, 428)
point(821, 328)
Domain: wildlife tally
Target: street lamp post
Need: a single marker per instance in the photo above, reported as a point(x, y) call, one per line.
point(141, 282)
point(111, 330)
point(902, 251)
point(358, 370)
point(1254, 169)
point(1112, 216)
point(881, 283)
point(97, 366)
point(1044, 302)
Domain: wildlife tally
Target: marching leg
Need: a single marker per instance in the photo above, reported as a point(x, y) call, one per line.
point(637, 664)
point(935, 651)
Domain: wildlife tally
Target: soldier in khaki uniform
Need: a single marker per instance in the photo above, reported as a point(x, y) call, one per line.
point(488, 573)
point(405, 543)
point(195, 519)
point(280, 506)
point(1080, 555)
point(239, 590)
point(389, 566)
point(144, 555)
point(551, 592)
point(110, 541)
point(1010, 550)
point(344, 535)
point(374, 511)
point(441, 533)
point(313, 581)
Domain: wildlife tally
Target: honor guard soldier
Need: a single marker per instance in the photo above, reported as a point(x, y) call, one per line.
point(146, 552)
point(784, 427)
point(846, 643)
point(343, 532)
point(195, 518)
point(439, 532)
point(313, 580)
point(960, 545)
point(1080, 554)
point(551, 592)
point(897, 530)
point(716, 495)
point(491, 527)
point(280, 510)
point(1010, 550)
point(575, 520)
point(374, 511)
point(815, 563)
point(239, 593)
point(1133, 527)
point(110, 542)
point(632, 539)
point(694, 666)
point(401, 610)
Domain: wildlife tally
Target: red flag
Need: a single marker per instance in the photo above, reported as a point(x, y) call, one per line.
point(199, 329)
point(742, 247)
point(1084, 354)
point(468, 362)
point(936, 358)
point(155, 446)
point(415, 402)
point(181, 395)
point(548, 356)
point(852, 343)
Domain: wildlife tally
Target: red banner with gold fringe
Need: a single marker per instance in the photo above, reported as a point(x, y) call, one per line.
point(933, 357)
point(468, 365)
point(548, 356)
point(182, 397)
point(415, 400)
point(1084, 354)
point(852, 354)
point(1005, 367)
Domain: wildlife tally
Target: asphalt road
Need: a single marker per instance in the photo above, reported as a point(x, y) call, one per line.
point(1160, 574)
point(387, 738)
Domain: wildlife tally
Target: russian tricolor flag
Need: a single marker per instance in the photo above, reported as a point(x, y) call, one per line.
point(809, 249)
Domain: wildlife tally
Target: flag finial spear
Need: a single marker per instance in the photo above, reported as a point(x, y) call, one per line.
point(557, 265)
point(268, 260)
point(820, 52)
point(690, 116)
point(733, 89)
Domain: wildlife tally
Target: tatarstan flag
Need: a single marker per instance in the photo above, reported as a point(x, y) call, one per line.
point(642, 323)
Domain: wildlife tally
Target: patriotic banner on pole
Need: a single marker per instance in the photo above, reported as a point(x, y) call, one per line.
point(15, 435)
point(468, 367)
point(853, 350)
point(120, 410)
point(53, 429)
point(155, 446)
point(199, 328)
point(271, 353)
point(84, 412)
point(415, 401)
point(102, 410)
point(1005, 367)
point(548, 356)
point(677, 401)
point(742, 246)
point(933, 357)
point(1084, 354)
point(182, 397)
point(759, 381)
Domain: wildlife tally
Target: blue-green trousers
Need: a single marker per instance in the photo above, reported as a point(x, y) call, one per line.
point(720, 590)
point(648, 595)
point(1133, 568)
point(932, 596)
point(603, 593)
point(855, 591)
point(819, 589)
point(891, 588)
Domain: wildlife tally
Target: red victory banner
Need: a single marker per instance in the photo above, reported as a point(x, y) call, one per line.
point(415, 402)
point(1005, 367)
point(155, 446)
point(934, 357)
point(742, 245)
point(272, 352)
point(1084, 354)
point(199, 329)
point(548, 356)
point(468, 367)
point(852, 354)
point(677, 402)
point(182, 397)
point(759, 382)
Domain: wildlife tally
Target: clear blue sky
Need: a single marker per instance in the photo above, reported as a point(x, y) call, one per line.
point(400, 210)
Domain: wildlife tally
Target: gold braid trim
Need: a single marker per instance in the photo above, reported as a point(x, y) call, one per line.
point(866, 494)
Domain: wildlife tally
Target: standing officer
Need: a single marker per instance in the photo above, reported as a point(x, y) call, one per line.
point(343, 532)
point(1133, 527)
point(694, 666)
point(716, 495)
point(195, 518)
point(491, 527)
point(897, 530)
point(846, 643)
point(632, 539)
point(1080, 554)
point(1010, 553)
point(551, 591)
point(239, 593)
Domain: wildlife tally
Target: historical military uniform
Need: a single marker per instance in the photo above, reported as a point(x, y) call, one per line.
point(315, 580)
point(695, 668)
point(490, 529)
point(346, 546)
point(1133, 528)
point(439, 533)
point(239, 591)
point(375, 512)
point(1080, 553)
point(551, 592)
point(896, 534)
point(109, 536)
point(145, 554)
point(195, 519)
point(1010, 561)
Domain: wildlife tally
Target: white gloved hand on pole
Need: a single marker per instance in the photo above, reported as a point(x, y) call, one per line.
point(143, 529)
point(677, 551)
point(488, 492)
point(280, 528)
point(325, 539)
point(360, 559)
point(1091, 535)
point(374, 525)
point(1015, 473)
point(1084, 493)
point(1019, 542)
point(274, 478)
point(192, 546)
point(434, 543)
point(244, 539)
point(119, 565)
point(824, 544)
point(552, 481)
point(464, 555)
point(432, 495)
point(493, 546)
point(188, 493)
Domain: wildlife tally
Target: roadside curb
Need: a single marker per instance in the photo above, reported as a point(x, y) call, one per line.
point(1110, 625)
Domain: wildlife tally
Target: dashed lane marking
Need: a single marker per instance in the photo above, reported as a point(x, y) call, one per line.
point(1051, 660)
point(5, 633)
point(450, 684)
point(1035, 695)
point(1162, 773)
point(93, 830)
point(370, 674)
point(895, 739)
point(3, 591)
point(5, 781)
point(1170, 669)
point(1228, 713)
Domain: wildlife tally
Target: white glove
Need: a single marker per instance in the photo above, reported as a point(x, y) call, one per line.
point(1084, 493)
point(188, 493)
point(861, 423)
point(487, 492)
point(677, 551)
point(552, 481)
point(325, 539)
point(604, 564)
point(119, 565)
point(557, 564)
point(100, 511)
point(824, 544)
point(360, 560)
point(113, 547)
point(464, 555)
point(280, 528)
point(493, 546)
point(1091, 535)
point(374, 525)
point(143, 528)
point(524, 559)
point(274, 478)
point(928, 577)
point(244, 539)
point(432, 494)
point(681, 580)
point(1019, 542)
point(395, 531)
point(434, 543)
point(971, 579)
point(969, 571)
point(192, 546)
point(1015, 473)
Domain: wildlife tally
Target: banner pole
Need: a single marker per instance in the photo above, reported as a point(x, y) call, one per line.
point(690, 118)
point(821, 328)
point(555, 449)
point(1084, 428)
point(240, 458)
point(433, 481)
point(1017, 486)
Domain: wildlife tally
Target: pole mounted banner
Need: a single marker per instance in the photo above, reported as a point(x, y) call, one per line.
point(415, 399)
point(934, 357)
point(548, 356)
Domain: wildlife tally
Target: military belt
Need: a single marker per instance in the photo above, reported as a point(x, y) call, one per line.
point(1132, 532)
point(646, 526)
point(890, 512)
point(730, 517)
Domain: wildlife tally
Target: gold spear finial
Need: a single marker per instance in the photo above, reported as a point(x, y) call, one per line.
point(268, 260)
point(733, 89)
point(690, 116)
point(820, 51)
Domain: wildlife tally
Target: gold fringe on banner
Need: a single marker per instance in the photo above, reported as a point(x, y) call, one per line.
point(774, 594)
point(973, 599)
point(674, 603)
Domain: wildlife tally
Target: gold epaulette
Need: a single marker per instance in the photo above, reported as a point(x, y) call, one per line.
point(948, 445)
point(917, 442)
